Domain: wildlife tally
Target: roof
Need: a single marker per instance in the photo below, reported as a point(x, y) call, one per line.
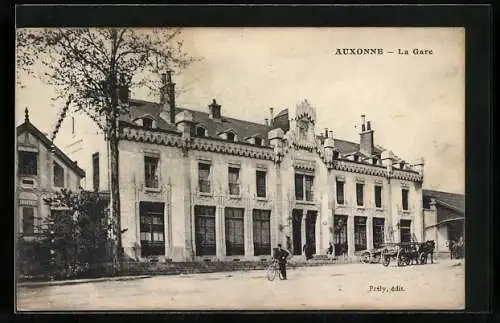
point(450, 200)
point(243, 129)
point(29, 127)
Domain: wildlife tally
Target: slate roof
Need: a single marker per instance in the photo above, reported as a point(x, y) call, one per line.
point(243, 129)
point(29, 127)
point(453, 201)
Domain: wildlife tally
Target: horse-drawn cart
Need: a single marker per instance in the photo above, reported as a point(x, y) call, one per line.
point(407, 253)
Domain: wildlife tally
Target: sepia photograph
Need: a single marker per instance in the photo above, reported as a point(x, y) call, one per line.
point(203, 168)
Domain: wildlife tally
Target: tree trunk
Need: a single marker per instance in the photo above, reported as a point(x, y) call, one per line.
point(115, 197)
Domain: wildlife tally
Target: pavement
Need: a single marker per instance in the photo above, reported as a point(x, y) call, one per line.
point(336, 287)
point(79, 281)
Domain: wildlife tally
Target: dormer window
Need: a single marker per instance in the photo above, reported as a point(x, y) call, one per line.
point(258, 141)
point(200, 131)
point(356, 158)
point(230, 136)
point(147, 123)
point(374, 160)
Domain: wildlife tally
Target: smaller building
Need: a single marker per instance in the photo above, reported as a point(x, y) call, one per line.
point(41, 169)
point(444, 215)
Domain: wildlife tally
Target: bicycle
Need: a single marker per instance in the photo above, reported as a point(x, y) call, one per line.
point(273, 270)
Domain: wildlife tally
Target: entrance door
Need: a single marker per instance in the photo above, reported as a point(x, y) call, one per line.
point(311, 230)
point(297, 231)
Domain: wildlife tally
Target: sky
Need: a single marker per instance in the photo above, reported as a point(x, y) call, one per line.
point(416, 103)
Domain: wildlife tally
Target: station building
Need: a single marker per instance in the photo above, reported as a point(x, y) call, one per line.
point(198, 185)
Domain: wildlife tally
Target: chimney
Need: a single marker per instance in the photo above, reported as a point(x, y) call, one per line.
point(366, 137)
point(167, 98)
point(271, 114)
point(267, 121)
point(326, 132)
point(331, 133)
point(214, 110)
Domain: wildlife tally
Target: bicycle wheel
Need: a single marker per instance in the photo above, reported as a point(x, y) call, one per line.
point(271, 272)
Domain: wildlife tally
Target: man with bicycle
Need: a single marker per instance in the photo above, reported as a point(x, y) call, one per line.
point(281, 256)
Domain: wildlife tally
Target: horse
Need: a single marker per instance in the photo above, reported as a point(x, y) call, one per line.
point(426, 248)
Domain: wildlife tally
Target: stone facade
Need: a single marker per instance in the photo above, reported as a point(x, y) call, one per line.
point(188, 188)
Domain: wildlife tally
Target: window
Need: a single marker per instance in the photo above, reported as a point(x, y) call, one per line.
point(359, 194)
point(404, 195)
point(200, 131)
point(261, 232)
point(28, 221)
point(258, 141)
point(378, 232)
point(304, 187)
point(205, 230)
point(309, 187)
point(28, 163)
point(204, 178)
point(405, 230)
point(299, 187)
point(151, 171)
point(152, 229)
point(340, 192)
point(58, 175)
point(374, 160)
point(234, 181)
point(230, 136)
point(147, 123)
point(378, 196)
point(95, 171)
point(235, 237)
point(356, 158)
point(261, 183)
point(359, 233)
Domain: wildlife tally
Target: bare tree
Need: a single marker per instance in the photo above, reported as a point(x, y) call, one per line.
point(93, 68)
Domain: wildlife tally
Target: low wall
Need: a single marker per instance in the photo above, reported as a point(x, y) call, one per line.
point(176, 268)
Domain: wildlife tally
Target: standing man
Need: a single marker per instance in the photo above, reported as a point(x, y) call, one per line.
point(282, 257)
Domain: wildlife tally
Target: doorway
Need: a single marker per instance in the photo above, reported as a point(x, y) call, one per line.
point(297, 231)
point(340, 234)
point(311, 230)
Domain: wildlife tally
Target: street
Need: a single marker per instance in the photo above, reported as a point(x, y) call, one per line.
point(337, 287)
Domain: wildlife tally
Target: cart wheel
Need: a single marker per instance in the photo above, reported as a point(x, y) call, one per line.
point(386, 260)
point(365, 258)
